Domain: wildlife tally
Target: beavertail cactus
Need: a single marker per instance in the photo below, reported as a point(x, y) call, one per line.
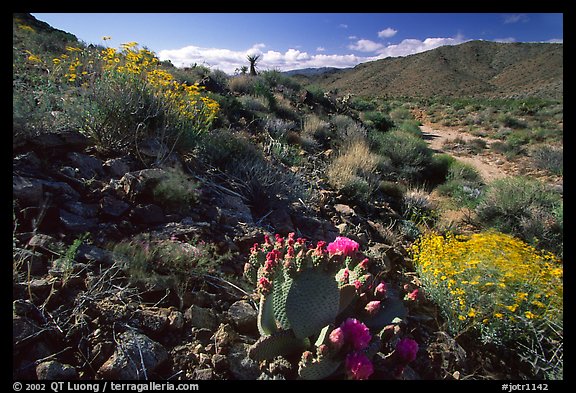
point(303, 289)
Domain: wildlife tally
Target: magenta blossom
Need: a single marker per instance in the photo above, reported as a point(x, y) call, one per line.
point(358, 366)
point(356, 333)
point(380, 291)
point(412, 295)
point(406, 350)
point(336, 339)
point(372, 307)
point(343, 246)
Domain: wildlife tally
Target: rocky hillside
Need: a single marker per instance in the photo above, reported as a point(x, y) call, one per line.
point(475, 68)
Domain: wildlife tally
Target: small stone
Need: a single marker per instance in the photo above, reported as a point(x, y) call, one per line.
point(225, 335)
point(205, 374)
point(244, 316)
point(201, 317)
point(53, 370)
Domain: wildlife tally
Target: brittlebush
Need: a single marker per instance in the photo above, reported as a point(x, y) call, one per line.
point(491, 282)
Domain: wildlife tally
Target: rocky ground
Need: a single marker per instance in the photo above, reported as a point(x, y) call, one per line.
point(77, 314)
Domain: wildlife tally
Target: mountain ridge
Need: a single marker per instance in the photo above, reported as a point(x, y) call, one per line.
point(474, 68)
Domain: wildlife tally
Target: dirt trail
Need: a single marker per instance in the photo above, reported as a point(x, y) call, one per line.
point(488, 165)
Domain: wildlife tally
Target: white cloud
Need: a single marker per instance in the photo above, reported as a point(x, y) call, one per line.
point(505, 40)
point(365, 46)
point(352, 37)
point(343, 25)
point(411, 46)
point(320, 49)
point(555, 41)
point(387, 33)
point(515, 18)
point(229, 60)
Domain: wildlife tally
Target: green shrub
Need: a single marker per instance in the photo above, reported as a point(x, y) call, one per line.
point(464, 184)
point(548, 158)
point(409, 155)
point(377, 120)
point(175, 192)
point(353, 171)
point(524, 208)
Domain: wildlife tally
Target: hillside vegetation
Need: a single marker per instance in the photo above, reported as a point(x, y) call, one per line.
point(185, 224)
point(475, 68)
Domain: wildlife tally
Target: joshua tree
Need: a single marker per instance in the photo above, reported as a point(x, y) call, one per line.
point(253, 59)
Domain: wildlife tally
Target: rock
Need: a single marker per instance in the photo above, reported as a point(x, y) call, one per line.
point(281, 220)
point(147, 214)
point(86, 210)
point(136, 357)
point(136, 185)
point(32, 260)
point(220, 362)
point(241, 366)
point(23, 331)
point(224, 336)
point(53, 370)
point(344, 210)
point(233, 210)
point(87, 166)
point(92, 254)
point(26, 164)
point(45, 242)
point(205, 374)
point(62, 191)
point(244, 316)
point(113, 207)
point(155, 320)
point(77, 224)
point(201, 317)
point(117, 167)
point(27, 191)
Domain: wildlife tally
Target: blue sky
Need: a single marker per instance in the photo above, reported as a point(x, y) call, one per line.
point(298, 40)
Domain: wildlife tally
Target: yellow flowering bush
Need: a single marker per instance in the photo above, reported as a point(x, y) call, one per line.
point(494, 283)
point(488, 279)
point(129, 97)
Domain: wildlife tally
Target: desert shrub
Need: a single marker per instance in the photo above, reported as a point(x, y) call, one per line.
point(353, 171)
point(278, 127)
point(411, 126)
point(362, 104)
point(241, 84)
point(376, 120)
point(253, 103)
point(510, 121)
point(464, 184)
point(126, 98)
point(316, 128)
point(175, 192)
point(168, 263)
point(418, 206)
point(275, 78)
point(501, 288)
point(548, 158)
point(346, 128)
point(409, 155)
point(524, 208)
point(401, 114)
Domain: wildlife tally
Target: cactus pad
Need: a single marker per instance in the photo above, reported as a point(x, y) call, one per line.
point(318, 369)
point(266, 322)
point(312, 302)
point(280, 343)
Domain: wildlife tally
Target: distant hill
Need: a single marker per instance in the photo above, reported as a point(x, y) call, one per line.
point(312, 71)
point(474, 68)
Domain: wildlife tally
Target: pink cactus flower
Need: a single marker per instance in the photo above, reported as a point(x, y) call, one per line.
point(372, 307)
point(336, 339)
point(380, 291)
point(412, 295)
point(356, 333)
point(406, 350)
point(358, 366)
point(364, 264)
point(264, 285)
point(343, 246)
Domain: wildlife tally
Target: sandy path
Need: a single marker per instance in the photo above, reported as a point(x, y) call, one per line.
point(489, 166)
